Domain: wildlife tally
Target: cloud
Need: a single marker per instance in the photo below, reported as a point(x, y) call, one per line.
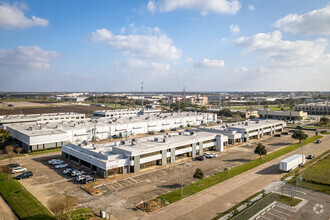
point(26, 58)
point(152, 45)
point(189, 60)
point(234, 29)
point(12, 16)
point(141, 67)
point(210, 63)
point(242, 69)
point(151, 7)
point(203, 6)
point(314, 22)
point(251, 8)
point(285, 53)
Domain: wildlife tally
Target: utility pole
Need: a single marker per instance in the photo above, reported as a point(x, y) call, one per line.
point(142, 97)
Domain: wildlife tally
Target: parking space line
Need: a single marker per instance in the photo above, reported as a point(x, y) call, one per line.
point(275, 215)
point(263, 217)
point(281, 212)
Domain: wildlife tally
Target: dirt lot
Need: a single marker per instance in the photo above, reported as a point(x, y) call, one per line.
point(119, 197)
point(41, 110)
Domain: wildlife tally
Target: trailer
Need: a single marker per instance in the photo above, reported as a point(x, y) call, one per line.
point(292, 162)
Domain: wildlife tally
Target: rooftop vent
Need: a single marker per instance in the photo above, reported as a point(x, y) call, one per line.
point(156, 139)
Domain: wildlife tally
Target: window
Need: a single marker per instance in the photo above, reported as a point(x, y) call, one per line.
point(150, 154)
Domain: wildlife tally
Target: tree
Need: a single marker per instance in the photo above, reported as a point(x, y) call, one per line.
point(18, 150)
point(198, 174)
point(6, 170)
point(236, 116)
point(299, 135)
point(60, 204)
point(5, 136)
point(324, 121)
point(204, 108)
point(10, 152)
point(260, 150)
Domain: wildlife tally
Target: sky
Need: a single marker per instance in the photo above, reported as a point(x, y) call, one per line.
point(202, 45)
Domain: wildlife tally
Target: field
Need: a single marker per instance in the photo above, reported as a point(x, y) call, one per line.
point(319, 173)
point(41, 110)
point(25, 205)
point(316, 177)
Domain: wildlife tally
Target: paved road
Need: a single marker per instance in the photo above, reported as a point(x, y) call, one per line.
point(206, 204)
point(5, 212)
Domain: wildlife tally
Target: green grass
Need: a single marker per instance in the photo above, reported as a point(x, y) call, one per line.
point(45, 151)
point(325, 132)
point(319, 173)
point(25, 205)
point(288, 200)
point(79, 214)
point(193, 188)
point(315, 177)
point(3, 158)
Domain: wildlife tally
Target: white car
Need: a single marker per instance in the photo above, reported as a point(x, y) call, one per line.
point(18, 170)
point(51, 161)
point(81, 177)
point(77, 172)
point(61, 166)
point(214, 155)
point(57, 162)
point(66, 171)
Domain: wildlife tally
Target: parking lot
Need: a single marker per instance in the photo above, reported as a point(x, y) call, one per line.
point(123, 194)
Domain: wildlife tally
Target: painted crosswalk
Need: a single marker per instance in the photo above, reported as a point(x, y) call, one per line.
point(285, 206)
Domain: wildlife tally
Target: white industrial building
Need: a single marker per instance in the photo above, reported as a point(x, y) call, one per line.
point(138, 154)
point(124, 112)
point(6, 120)
point(48, 135)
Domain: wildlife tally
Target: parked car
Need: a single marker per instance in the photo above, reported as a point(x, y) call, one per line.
point(208, 156)
point(151, 132)
point(162, 130)
point(285, 133)
point(13, 165)
point(77, 172)
point(57, 162)
point(214, 155)
point(51, 161)
point(80, 178)
point(174, 129)
point(277, 135)
point(67, 170)
point(18, 170)
point(201, 158)
point(318, 141)
point(63, 165)
point(24, 175)
point(310, 157)
point(88, 179)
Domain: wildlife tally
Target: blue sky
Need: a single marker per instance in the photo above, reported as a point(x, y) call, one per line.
point(202, 45)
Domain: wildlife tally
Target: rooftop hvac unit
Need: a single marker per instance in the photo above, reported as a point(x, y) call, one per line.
point(122, 142)
point(164, 140)
point(134, 143)
point(246, 123)
point(180, 132)
point(30, 128)
point(156, 139)
point(192, 133)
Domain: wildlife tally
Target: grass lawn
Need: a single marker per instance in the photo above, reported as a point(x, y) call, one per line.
point(45, 151)
point(25, 205)
point(288, 200)
point(80, 214)
point(193, 188)
point(325, 132)
point(316, 177)
point(319, 173)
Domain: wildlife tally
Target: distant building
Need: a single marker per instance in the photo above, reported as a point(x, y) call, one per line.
point(319, 108)
point(194, 100)
point(72, 99)
point(282, 115)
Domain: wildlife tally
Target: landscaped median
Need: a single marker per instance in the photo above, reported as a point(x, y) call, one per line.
point(24, 204)
point(193, 188)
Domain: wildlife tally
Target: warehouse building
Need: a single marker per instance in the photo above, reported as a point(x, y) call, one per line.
point(135, 155)
point(40, 136)
point(283, 115)
point(124, 112)
point(21, 119)
point(319, 108)
point(139, 154)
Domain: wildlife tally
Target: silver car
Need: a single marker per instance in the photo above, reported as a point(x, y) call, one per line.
point(61, 166)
